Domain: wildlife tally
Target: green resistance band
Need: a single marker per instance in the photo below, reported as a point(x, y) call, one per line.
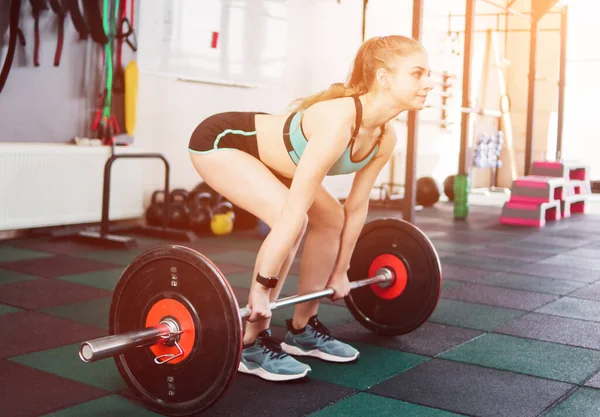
point(109, 26)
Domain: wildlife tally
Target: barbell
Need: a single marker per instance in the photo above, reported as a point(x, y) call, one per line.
point(176, 328)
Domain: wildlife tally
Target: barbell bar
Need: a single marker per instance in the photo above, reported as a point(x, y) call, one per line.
point(105, 347)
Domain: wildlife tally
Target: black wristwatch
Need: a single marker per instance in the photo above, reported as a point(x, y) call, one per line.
point(267, 282)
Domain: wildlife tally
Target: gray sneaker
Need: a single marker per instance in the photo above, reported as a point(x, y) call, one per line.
point(266, 360)
point(315, 340)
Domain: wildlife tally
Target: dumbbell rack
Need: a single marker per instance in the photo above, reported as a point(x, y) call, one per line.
point(486, 155)
point(103, 236)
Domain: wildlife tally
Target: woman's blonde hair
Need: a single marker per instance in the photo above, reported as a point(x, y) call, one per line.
point(375, 53)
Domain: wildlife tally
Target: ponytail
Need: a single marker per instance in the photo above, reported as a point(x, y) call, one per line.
point(374, 53)
point(336, 90)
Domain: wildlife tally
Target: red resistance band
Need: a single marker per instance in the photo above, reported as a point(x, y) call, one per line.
point(37, 7)
point(57, 8)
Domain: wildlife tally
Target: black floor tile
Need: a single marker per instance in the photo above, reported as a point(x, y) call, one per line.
point(554, 329)
point(45, 292)
point(594, 381)
point(473, 390)
point(499, 297)
point(28, 331)
point(56, 266)
point(495, 264)
point(509, 252)
point(252, 396)
point(430, 339)
point(573, 262)
point(465, 273)
point(591, 292)
point(556, 271)
point(27, 392)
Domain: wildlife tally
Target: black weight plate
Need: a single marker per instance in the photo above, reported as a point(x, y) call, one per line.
point(207, 372)
point(416, 303)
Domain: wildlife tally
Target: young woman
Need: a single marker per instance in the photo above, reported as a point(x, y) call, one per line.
point(273, 166)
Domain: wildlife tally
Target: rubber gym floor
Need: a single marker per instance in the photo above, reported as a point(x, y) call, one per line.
point(516, 331)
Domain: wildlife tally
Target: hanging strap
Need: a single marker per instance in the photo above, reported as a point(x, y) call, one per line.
point(94, 17)
point(72, 6)
point(15, 9)
point(37, 7)
point(61, 14)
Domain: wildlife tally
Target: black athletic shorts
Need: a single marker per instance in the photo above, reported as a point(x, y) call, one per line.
point(226, 130)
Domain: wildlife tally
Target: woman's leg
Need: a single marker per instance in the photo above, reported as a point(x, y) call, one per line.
point(306, 335)
point(325, 224)
point(253, 329)
point(249, 184)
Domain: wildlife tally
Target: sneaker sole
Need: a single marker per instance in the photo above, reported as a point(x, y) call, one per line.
point(269, 376)
point(315, 353)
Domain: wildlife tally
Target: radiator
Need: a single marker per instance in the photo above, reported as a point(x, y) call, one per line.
point(57, 184)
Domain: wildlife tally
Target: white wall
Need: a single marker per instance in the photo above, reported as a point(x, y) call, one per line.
point(581, 138)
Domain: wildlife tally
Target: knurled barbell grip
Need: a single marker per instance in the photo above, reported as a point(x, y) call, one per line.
point(384, 275)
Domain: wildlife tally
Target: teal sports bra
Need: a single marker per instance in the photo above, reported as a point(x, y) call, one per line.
point(295, 142)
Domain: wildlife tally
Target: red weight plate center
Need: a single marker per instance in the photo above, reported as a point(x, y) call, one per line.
point(173, 308)
point(398, 269)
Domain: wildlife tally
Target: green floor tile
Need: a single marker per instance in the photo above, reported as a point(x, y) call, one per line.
point(64, 361)
point(449, 284)
point(106, 279)
point(145, 241)
point(575, 308)
point(231, 239)
point(118, 257)
point(236, 257)
point(453, 246)
point(7, 276)
point(530, 357)
point(10, 253)
point(585, 402)
point(248, 244)
point(481, 262)
point(240, 279)
point(363, 404)
point(92, 312)
point(375, 365)
point(330, 315)
point(533, 283)
point(471, 315)
point(112, 405)
point(290, 286)
point(4, 309)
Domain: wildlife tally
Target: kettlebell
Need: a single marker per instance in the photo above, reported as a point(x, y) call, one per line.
point(200, 212)
point(156, 210)
point(203, 187)
point(179, 211)
point(222, 219)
